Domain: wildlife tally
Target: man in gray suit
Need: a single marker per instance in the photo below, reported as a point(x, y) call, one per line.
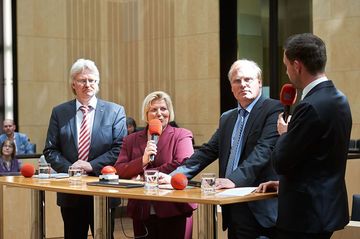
point(246, 163)
point(105, 127)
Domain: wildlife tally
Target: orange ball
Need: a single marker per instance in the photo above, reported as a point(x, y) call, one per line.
point(27, 170)
point(179, 181)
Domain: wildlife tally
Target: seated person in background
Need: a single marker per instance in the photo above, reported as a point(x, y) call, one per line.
point(174, 124)
point(131, 125)
point(22, 142)
point(153, 219)
point(8, 162)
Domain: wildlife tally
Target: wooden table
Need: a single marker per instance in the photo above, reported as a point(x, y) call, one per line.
point(206, 203)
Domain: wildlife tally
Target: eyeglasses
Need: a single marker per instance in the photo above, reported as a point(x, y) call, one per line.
point(8, 145)
point(84, 81)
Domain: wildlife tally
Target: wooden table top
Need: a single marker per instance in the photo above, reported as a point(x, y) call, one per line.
point(189, 195)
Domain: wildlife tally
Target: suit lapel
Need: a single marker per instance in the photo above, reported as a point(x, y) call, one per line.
point(142, 140)
point(164, 138)
point(252, 116)
point(99, 114)
point(229, 127)
point(17, 138)
point(72, 122)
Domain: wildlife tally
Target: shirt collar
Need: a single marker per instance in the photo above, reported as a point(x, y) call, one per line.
point(309, 87)
point(250, 106)
point(92, 103)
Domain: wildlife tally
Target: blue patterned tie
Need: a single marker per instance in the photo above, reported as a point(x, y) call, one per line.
point(233, 161)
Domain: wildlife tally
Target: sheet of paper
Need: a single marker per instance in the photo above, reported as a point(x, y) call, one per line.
point(237, 191)
point(56, 175)
point(168, 186)
point(165, 186)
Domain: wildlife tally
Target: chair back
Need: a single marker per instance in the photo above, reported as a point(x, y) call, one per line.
point(355, 213)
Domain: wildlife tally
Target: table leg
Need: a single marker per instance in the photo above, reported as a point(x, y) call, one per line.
point(35, 202)
point(102, 225)
point(38, 214)
point(207, 221)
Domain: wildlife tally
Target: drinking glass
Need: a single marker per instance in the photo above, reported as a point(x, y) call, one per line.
point(208, 183)
point(75, 175)
point(151, 177)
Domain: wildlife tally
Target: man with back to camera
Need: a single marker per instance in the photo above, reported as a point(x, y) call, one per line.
point(86, 133)
point(243, 143)
point(310, 155)
point(22, 142)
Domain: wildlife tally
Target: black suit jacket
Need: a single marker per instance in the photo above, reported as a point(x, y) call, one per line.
point(311, 160)
point(61, 146)
point(260, 135)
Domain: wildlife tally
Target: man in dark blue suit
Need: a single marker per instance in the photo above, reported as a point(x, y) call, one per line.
point(251, 162)
point(107, 127)
point(310, 155)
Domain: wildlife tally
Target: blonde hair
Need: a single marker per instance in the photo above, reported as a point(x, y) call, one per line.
point(157, 95)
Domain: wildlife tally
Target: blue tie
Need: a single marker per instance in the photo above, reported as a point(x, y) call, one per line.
point(236, 143)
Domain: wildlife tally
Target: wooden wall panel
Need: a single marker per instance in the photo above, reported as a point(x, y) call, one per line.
point(139, 46)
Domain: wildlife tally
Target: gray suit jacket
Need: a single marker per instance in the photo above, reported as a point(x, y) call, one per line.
point(61, 146)
point(260, 135)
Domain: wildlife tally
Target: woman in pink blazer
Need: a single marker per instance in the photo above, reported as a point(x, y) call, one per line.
point(152, 219)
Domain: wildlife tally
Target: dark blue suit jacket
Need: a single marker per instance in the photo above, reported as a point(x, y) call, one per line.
point(260, 135)
point(311, 160)
point(61, 146)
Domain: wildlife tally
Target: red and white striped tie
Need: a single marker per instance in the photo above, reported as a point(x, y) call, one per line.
point(84, 138)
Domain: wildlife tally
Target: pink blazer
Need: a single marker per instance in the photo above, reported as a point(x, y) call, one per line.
point(174, 146)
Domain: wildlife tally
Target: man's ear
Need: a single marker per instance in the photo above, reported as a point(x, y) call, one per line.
point(297, 66)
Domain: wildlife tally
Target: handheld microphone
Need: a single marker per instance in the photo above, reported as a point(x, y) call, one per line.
point(287, 98)
point(155, 129)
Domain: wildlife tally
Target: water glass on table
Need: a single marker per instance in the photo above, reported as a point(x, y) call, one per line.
point(208, 183)
point(151, 178)
point(44, 172)
point(75, 175)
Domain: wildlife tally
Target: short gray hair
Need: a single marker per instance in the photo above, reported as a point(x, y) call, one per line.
point(244, 63)
point(84, 64)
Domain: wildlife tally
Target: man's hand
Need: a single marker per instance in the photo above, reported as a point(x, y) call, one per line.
point(84, 165)
point(164, 178)
point(224, 183)
point(281, 124)
point(268, 187)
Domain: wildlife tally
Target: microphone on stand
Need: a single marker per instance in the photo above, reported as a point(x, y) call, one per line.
point(155, 129)
point(287, 98)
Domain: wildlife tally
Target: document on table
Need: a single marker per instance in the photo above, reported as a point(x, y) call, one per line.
point(168, 186)
point(237, 191)
point(56, 175)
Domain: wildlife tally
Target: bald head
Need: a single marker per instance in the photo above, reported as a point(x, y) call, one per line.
point(9, 127)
